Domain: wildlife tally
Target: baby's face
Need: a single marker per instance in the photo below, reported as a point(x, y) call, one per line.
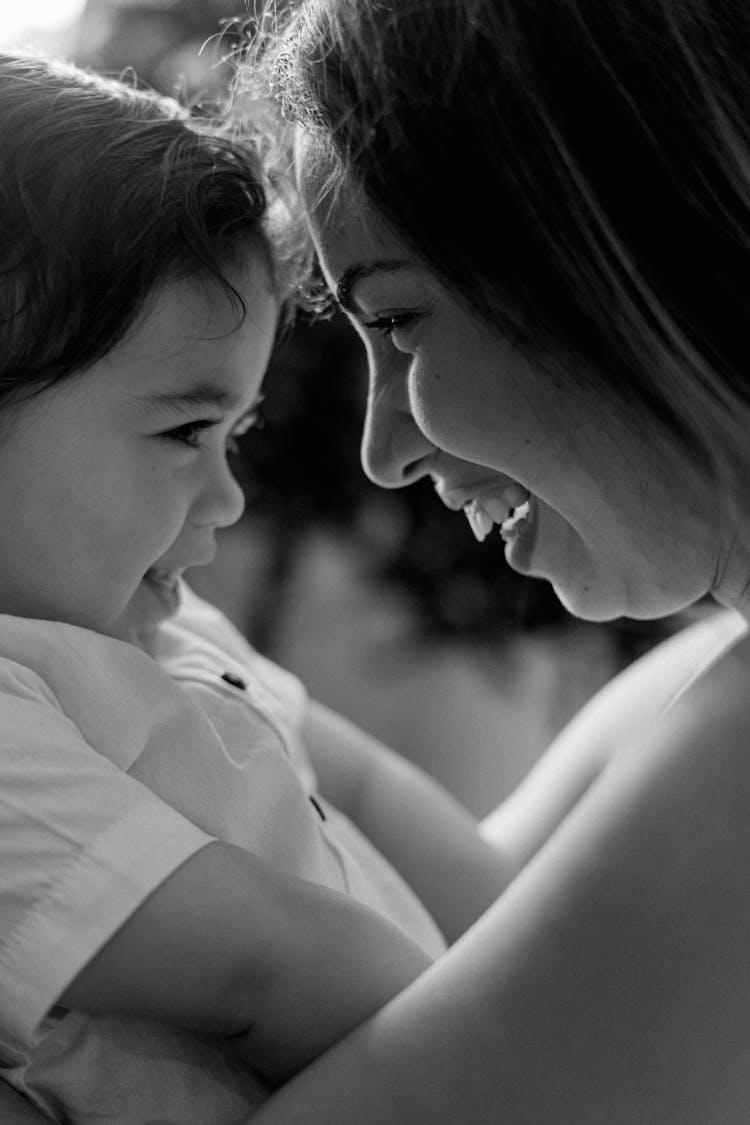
point(115, 481)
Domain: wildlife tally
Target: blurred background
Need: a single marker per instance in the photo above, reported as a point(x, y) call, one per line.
point(382, 602)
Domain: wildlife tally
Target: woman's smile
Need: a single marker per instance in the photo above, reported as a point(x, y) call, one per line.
point(581, 496)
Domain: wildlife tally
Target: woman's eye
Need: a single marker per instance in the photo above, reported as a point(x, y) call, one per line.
point(389, 323)
point(190, 432)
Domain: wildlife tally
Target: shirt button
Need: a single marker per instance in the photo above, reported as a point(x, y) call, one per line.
point(317, 807)
point(234, 681)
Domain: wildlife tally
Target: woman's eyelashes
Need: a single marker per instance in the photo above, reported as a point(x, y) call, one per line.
point(388, 323)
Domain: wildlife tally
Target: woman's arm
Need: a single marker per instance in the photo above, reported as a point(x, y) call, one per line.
point(612, 980)
point(227, 946)
point(433, 841)
point(426, 834)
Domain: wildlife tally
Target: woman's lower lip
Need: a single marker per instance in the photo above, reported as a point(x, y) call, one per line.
point(520, 540)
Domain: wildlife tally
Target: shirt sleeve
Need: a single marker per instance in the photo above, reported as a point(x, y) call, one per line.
point(82, 845)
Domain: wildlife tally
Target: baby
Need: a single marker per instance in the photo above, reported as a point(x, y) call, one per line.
point(207, 878)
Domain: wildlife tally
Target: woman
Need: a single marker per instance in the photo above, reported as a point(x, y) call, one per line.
point(536, 215)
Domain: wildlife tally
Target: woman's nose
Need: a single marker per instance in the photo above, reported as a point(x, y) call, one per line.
point(220, 501)
point(394, 449)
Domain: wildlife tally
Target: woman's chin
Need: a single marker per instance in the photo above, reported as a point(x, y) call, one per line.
point(606, 601)
point(588, 604)
point(547, 547)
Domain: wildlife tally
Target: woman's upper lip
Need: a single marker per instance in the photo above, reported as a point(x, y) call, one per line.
point(458, 496)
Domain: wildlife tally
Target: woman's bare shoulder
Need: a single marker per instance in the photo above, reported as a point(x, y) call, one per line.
point(684, 782)
point(712, 717)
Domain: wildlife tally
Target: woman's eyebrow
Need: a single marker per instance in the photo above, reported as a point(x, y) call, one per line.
point(354, 274)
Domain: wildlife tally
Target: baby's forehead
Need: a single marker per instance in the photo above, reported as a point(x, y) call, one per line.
point(197, 306)
point(176, 314)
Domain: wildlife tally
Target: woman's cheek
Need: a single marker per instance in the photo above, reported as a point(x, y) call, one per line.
point(430, 398)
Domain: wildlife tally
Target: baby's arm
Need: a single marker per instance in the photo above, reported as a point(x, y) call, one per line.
point(227, 946)
point(431, 840)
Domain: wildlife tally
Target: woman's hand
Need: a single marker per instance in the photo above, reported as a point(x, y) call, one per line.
point(15, 1110)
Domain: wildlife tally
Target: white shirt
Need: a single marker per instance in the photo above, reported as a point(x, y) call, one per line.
point(115, 767)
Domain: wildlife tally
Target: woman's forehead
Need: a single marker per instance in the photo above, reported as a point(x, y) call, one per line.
point(345, 227)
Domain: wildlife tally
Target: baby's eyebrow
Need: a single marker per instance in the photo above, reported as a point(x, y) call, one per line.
point(354, 274)
point(189, 398)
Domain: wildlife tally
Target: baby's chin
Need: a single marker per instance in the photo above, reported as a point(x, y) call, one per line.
point(155, 600)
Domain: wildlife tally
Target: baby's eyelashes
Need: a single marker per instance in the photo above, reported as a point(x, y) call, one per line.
point(253, 419)
point(190, 433)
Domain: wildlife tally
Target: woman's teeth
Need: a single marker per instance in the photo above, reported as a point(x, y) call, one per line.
point(517, 516)
point(480, 521)
point(507, 510)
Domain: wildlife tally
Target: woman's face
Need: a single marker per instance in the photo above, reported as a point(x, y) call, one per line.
point(609, 520)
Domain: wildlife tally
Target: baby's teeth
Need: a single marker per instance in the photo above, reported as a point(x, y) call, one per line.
point(480, 522)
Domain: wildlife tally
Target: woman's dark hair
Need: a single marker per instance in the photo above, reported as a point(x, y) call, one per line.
point(105, 192)
point(578, 170)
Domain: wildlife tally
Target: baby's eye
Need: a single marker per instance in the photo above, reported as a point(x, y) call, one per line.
point(253, 420)
point(190, 432)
